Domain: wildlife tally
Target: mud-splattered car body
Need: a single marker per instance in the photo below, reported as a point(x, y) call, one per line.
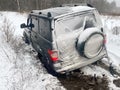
point(66, 38)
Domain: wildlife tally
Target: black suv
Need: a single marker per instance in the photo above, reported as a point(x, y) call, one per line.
point(66, 38)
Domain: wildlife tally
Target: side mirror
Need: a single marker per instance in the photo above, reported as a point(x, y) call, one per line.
point(31, 25)
point(23, 25)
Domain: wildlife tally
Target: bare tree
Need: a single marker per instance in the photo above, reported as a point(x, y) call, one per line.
point(18, 4)
point(8, 30)
point(37, 4)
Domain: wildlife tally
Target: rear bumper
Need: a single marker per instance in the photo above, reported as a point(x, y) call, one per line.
point(80, 64)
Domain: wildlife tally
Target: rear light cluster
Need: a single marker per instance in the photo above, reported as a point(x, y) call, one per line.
point(105, 40)
point(53, 55)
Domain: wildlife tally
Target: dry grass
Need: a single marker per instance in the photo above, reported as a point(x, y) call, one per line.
point(8, 30)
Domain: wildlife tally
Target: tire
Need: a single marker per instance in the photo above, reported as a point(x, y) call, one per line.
point(26, 38)
point(48, 64)
point(90, 42)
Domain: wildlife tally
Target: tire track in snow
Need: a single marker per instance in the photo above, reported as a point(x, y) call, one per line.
point(114, 57)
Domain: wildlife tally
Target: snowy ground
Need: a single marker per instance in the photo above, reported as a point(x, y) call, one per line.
point(113, 48)
point(22, 70)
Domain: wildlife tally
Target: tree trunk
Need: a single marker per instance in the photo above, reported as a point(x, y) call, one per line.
point(18, 3)
point(37, 4)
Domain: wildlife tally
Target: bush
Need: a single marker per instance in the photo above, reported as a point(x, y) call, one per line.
point(8, 30)
point(116, 30)
point(9, 36)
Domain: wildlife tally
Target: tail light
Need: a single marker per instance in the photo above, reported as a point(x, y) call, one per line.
point(53, 55)
point(105, 40)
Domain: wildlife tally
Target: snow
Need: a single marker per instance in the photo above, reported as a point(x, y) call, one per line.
point(23, 71)
point(113, 49)
point(91, 70)
point(81, 8)
point(113, 41)
point(116, 1)
point(16, 19)
point(86, 34)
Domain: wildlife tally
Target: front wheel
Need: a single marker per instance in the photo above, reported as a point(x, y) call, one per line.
point(25, 38)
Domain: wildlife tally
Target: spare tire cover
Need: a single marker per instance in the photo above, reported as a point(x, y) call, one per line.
point(90, 42)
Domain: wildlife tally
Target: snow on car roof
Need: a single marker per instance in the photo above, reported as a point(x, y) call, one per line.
point(81, 8)
point(58, 11)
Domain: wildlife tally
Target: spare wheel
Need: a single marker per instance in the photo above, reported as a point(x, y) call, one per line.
point(90, 42)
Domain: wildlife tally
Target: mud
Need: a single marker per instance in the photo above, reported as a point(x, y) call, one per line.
point(117, 82)
point(78, 81)
point(108, 68)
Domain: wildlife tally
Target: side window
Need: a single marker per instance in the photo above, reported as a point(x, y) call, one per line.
point(35, 22)
point(90, 21)
point(29, 21)
point(44, 28)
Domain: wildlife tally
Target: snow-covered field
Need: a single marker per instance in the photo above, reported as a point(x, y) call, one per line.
point(20, 69)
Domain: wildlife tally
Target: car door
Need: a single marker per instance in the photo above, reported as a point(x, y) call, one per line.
point(44, 34)
point(34, 33)
point(67, 31)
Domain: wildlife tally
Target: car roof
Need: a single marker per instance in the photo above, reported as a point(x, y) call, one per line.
point(58, 11)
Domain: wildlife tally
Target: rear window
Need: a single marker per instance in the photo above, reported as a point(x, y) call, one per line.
point(74, 23)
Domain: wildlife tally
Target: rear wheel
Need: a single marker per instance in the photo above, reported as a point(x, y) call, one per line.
point(48, 64)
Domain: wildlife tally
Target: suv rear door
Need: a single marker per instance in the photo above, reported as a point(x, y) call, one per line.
point(67, 32)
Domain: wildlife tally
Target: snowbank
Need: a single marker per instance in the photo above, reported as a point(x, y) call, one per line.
point(113, 41)
point(22, 70)
point(15, 19)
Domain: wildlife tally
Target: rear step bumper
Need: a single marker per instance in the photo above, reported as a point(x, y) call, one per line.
point(80, 64)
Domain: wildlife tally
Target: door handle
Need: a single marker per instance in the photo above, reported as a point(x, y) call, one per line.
point(35, 36)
